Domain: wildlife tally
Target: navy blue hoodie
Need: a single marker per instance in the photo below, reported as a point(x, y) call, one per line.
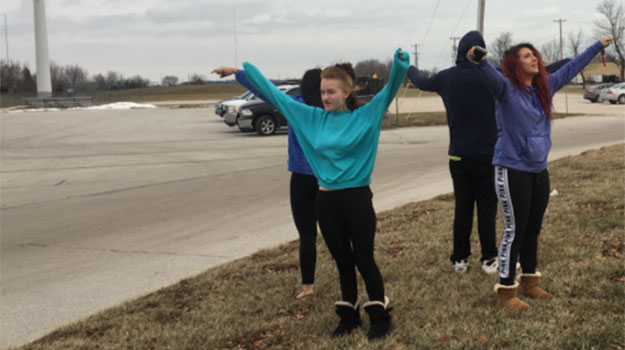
point(469, 104)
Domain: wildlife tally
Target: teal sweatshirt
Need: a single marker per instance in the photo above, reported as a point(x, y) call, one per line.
point(341, 147)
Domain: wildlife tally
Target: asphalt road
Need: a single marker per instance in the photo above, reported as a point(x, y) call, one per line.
point(101, 206)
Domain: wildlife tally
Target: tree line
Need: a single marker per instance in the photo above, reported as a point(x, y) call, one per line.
point(18, 78)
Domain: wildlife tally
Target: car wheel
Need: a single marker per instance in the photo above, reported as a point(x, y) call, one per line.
point(621, 99)
point(594, 100)
point(613, 102)
point(265, 125)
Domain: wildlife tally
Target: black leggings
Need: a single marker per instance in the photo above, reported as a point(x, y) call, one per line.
point(347, 220)
point(304, 190)
point(523, 198)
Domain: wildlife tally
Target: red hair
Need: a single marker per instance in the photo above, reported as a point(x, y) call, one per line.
point(513, 71)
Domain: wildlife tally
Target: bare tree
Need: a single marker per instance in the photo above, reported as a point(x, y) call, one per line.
point(113, 80)
point(27, 82)
point(56, 77)
point(369, 68)
point(9, 76)
point(196, 79)
point(169, 80)
point(502, 43)
point(613, 25)
point(75, 77)
point(575, 41)
point(100, 82)
point(550, 51)
point(135, 82)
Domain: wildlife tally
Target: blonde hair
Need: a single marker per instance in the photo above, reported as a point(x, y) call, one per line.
point(345, 73)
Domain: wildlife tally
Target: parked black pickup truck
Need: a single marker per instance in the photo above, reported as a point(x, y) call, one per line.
point(263, 118)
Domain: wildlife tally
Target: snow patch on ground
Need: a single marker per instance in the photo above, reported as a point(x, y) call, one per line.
point(117, 105)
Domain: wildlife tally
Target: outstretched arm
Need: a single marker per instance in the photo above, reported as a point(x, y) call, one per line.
point(564, 75)
point(298, 114)
point(380, 102)
point(495, 81)
point(420, 81)
point(241, 78)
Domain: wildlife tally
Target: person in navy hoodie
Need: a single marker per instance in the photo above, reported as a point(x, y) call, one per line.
point(472, 134)
point(523, 95)
point(303, 186)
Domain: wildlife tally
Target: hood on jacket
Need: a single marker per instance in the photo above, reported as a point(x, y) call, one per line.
point(472, 38)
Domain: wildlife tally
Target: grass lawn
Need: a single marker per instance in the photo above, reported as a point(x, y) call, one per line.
point(249, 304)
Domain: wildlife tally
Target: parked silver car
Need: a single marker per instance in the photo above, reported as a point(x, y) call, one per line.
point(593, 93)
point(220, 107)
point(614, 94)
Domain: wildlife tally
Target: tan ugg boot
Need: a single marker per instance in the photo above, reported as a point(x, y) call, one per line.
point(529, 286)
point(507, 299)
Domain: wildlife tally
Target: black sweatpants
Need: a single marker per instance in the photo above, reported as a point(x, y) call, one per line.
point(523, 198)
point(304, 190)
point(473, 183)
point(348, 223)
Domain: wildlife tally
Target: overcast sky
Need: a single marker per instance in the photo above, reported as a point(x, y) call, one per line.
point(154, 38)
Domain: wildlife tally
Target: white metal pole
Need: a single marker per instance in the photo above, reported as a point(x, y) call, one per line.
point(44, 82)
point(6, 39)
point(236, 53)
point(480, 16)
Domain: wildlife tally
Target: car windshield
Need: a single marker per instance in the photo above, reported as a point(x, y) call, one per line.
point(246, 95)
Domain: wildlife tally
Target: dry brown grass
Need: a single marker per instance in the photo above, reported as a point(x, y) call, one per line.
point(402, 120)
point(177, 93)
point(249, 304)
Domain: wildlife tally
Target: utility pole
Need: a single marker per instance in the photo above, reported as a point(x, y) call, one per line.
point(416, 56)
point(454, 49)
point(6, 38)
point(481, 5)
point(566, 96)
point(236, 54)
point(560, 22)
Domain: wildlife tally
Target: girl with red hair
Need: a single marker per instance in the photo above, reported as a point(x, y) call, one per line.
point(523, 102)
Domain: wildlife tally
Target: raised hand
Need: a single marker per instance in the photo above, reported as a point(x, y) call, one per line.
point(606, 41)
point(224, 71)
point(471, 55)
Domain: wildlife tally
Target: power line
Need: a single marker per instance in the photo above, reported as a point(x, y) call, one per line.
point(438, 60)
point(462, 17)
point(431, 20)
point(545, 38)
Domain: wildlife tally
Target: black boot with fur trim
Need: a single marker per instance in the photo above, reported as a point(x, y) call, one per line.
point(379, 314)
point(350, 317)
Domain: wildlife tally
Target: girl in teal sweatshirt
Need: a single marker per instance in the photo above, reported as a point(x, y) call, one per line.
point(340, 143)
